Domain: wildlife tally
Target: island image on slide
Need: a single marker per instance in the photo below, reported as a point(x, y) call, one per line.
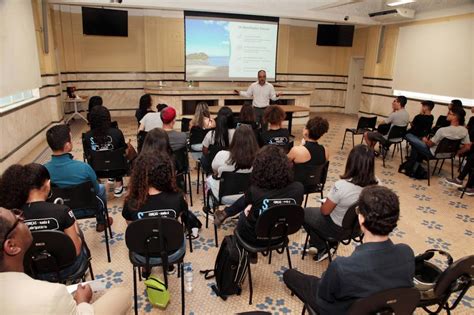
point(207, 49)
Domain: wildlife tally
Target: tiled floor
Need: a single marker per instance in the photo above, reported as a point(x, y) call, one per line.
point(432, 217)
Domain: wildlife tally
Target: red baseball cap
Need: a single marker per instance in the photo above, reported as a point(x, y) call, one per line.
point(168, 114)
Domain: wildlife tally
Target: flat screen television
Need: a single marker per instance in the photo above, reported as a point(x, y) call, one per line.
point(335, 35)
point(104, 22)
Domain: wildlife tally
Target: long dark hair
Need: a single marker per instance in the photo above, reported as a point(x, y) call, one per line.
point(156, 140)
point(360, 166)
point(271, 168)
point(95, 101)
point(14, 189)
point(224, 122)
point(243, 148)
point(100, 122)
point(150, 170)
point(247, 114)
point(145, 103)
point(36, 175)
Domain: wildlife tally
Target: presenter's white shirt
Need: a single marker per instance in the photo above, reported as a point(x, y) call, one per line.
point(261, 94)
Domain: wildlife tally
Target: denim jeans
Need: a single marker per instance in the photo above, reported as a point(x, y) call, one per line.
point(99, 212)
point(419, 150)
point(238, 206)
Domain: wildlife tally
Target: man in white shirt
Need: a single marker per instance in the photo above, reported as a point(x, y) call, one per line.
point(261, 92)
point(24, 295)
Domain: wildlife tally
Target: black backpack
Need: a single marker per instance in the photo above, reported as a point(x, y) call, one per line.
point(230, 268)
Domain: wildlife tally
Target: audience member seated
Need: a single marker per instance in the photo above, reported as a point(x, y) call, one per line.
point(66, 172)
point(274, 116)
point(442, 120)
point(220, 137)
point(239, 158)
point(374, 266)
point(151, 119)
point(422, 123)
point(103, 137)
point(27, 188)
point(202, 117)
point(311, 152)
point(157, 141)
point(427, 147)
point(177, 139)
point(42, 297)
point(93, 102)
point(247, 117)
point(144, 107)
point(398, 117)
point(272, 182)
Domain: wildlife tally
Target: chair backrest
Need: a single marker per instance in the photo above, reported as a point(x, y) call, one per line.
point(213, 150)
point(141, 139)
point(50, 251)
point(447, 147)
point(197, 134)
point(367, 123)
point(449, 277)
point(279, 221)
point(312, 177)
point(350, 221)
point(106, 162)
point(441, 121)
point(181, 160)
point(397, 133)
point(233, 183)
point(154, 236)
point(81, 196)
point(185, 124)
point(394, 301)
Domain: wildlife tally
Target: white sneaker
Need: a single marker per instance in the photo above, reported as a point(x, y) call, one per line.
point(111, 180)
point(118, 192)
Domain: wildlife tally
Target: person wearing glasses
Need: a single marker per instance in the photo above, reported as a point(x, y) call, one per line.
point(376, 265)
point(23, 295)
point(427, 147)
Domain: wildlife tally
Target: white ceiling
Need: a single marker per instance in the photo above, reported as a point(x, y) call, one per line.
point(313, 10)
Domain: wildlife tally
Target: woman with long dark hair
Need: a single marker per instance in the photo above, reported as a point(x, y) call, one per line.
point(156, 141)
point(93, 102)
point(238, 158)
point(103, 137)
point(327, 220)
point(144, 107)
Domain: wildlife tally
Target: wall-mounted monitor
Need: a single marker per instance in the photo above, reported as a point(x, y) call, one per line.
point(104, 22)
point(335, 35)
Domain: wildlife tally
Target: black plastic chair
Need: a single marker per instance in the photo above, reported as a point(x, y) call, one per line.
point(140, 140)
point(82, 197)
point(52, 251)
point(395, 136)
point(446, 149)
point(109, 164)
point(182, 170)
point(273, 227)
point(351, 232)
point(364, 124)
point(441, 122)
point(157, 238)
point(196, 136)
point(185, 124)
point(230, 183)
point(456, 279)
point(313, 178)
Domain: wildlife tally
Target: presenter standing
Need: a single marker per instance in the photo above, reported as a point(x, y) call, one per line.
point(261, 92)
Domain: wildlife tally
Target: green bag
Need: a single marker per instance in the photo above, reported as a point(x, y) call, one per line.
point(157, 292)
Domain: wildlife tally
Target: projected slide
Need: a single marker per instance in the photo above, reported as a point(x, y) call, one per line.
point(229, 49)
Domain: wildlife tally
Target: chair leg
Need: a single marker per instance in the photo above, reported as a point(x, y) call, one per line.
point(270, 257)
point(215, 236)
point(107, 247)
point(288, 256)
point(135, 298)
point(306, 200)
point(401, 153)
point(305, 246)
point(343, 140)
point(452, 167)
point(329, 251)
point(91, 271)
point(198, 174)
point(183, 303)
point(352, 139)
point(304, 309)
point(206, 205)
point(429, 173)
point(250, 283)
point(190, 189)
point(442, 163)
point(436, 165)
point(190, 237)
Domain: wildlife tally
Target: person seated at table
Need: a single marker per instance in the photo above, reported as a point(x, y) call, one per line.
point(422, 123)
point(275, 134)
point(43, 297)
point(66, 172)
point(376, 265)
point(327, 219)
point(310, 152)
point(239, 158)
point(144, 107)
point(398, 117)
point(103, 137)
point(177, 139)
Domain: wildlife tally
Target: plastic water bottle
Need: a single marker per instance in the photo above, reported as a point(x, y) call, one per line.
point(188, 280)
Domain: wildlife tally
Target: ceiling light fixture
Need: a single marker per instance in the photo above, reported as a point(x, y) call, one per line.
point(394, 3)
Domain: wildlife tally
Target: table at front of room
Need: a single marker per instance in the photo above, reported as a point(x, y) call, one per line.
point(289, 110)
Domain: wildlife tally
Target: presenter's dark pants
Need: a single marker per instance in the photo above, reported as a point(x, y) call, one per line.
point(305, 287)
point(259, 114)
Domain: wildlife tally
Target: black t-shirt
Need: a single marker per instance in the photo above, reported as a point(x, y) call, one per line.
point(276, 137)
point(421, 125)
point(114, 140)
point(42, 215)
point(164, 204)
point(261, 200)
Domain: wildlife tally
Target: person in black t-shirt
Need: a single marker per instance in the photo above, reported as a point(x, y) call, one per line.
point(28, 188)
point(271, 183)
point(422, 123)
point(275, 135)
point(102, 137)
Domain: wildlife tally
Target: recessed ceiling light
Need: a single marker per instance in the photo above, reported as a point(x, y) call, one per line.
point(394, 3)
